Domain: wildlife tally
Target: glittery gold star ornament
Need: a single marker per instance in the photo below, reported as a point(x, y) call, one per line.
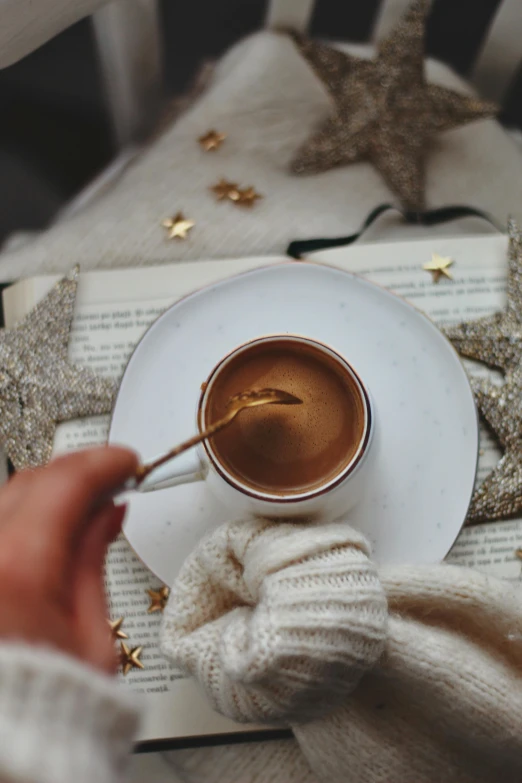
point(225, 190)
point(439, 267)
point(39, 387)
point(248, 197)
point(212, 140)
point(500, 494)
point(178, 226)
point(384, 112)
point(497, 341)
point(115, 626)
point(130, 659)
point(158, 599)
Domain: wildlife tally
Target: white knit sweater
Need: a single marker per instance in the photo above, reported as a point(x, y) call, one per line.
point(402, 675)
point(280, 622)
point(60, 721)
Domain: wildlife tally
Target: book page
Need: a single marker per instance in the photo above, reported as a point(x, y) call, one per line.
point(105, 334)
point(103, 337)
point(490, 548)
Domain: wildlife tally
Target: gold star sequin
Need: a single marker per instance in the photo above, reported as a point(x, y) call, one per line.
point(384, 111)
point(439, 267)
point(225, 190)
point(497, 341)
point(115, 626)
point(178, 226)
point(38, 385)
point(130, 659)
point(248, 197)
point(212, 140)
point(158, 599)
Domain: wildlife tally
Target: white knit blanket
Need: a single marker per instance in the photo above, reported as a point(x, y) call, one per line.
point(267, 99)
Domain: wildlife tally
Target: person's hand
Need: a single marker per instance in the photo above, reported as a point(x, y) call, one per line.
point(55, 526)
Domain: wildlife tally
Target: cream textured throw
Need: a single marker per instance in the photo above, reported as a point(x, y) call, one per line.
point(268, 100)
point(61, 721)
point(395, 675)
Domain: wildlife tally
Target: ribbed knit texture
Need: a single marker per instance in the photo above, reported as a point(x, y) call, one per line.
point(277, 621)
point(280, 621)
point(60, 721)
point(268, 101)
point(276, 761)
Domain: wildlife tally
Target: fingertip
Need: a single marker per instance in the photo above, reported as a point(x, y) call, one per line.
point(115, 522)
point(66, 494)
point(127, 455)
point(106, 524)
point(91, 474)
point(101, 461)
point(91, 547)
point(118, 458)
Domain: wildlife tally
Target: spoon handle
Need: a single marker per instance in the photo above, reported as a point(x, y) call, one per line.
point(237, 403)
point(144, 470)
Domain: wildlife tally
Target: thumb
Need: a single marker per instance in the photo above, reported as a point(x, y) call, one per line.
point(93, 637)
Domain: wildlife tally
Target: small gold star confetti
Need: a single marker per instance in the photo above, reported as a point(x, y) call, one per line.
point(384, 111)
point(248, 197)
point(38, 385)
point(130, 659)
point(115, 626)
point(439, 267)
point(212, 140)
point(497, 341)
point(158, 599)
point(225, 189)
point(178, 226)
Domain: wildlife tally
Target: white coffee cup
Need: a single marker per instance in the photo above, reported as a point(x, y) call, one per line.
point(329, 500)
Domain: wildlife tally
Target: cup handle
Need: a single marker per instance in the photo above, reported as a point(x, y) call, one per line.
point(166, 475)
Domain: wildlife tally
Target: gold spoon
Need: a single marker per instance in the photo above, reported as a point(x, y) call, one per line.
point(236, 404)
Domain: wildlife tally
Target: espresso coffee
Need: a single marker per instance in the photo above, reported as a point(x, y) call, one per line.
point(287, 449)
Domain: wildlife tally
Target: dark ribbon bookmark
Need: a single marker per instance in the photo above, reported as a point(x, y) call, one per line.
point(300, 247)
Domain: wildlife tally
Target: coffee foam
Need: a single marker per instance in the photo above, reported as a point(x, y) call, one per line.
point(287, 448)
point(292, 432)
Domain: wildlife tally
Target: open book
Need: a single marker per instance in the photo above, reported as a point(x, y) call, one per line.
point(114, 309)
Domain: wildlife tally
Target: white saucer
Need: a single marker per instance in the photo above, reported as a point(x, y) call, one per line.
point(427, 424)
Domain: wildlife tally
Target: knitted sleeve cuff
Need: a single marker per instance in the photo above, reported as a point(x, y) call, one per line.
point(60, 721)
point(278, 621)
